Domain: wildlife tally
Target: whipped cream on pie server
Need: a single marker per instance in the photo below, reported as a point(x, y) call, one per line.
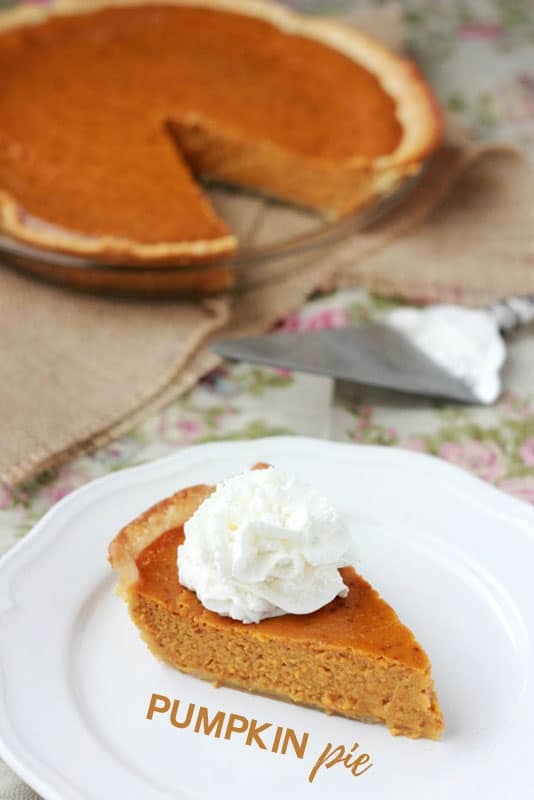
point(464, 341)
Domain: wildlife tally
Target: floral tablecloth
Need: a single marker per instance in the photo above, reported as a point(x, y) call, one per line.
point(479, 54)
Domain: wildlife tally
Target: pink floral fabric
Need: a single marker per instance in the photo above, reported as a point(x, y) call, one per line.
point(482, 459)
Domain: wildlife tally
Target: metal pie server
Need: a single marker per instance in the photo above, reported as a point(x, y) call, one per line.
point(373, 354)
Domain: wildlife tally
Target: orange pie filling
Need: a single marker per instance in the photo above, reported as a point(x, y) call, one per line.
point(106, 116)
point(352, 657)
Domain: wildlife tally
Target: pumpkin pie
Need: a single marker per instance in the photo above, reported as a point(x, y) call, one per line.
point(351, 657)
point(110, 111)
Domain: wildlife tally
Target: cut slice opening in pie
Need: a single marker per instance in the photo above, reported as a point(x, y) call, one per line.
point(352, 657)
point(107, 110)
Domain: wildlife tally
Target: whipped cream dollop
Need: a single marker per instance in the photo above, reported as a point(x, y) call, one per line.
point(465, 341)
point(264, 544)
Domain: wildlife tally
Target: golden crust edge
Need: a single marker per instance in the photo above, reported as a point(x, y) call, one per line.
point(111, 246)
point(168, 513)
point(417, 107)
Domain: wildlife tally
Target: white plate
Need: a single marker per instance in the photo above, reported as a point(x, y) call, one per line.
point(451, 554)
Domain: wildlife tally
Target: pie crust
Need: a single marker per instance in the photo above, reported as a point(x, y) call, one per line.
point(225, 150)
point(352, 657)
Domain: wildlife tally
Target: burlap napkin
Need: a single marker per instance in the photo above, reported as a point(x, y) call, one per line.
point(77, 370)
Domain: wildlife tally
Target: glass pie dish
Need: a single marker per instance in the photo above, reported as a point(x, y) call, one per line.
point(273, 238)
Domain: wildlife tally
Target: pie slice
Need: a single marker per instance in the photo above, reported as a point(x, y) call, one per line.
point(109, 111)
point(352, 657)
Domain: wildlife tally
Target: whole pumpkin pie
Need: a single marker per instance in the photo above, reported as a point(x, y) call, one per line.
point(352, 657)
point(108, 112)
